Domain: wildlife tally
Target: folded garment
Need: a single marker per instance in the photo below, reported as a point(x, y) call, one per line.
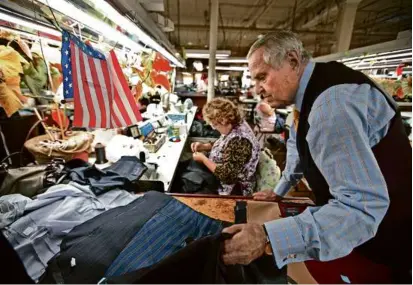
point(119, 175)
point(39, 228)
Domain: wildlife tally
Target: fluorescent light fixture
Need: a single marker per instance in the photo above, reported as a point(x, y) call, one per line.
point(132, 28)
point(198, 65)
point(373, 55)
point(376, 67)
point(233, 60)
point(78, 15)
point(202, 56)
point(203, 53)
point(392, 56)
point(32, 36)
point(29, 24)
point(231, 68)
point(382, 62)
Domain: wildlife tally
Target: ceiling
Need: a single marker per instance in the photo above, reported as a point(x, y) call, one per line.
point(241, 21)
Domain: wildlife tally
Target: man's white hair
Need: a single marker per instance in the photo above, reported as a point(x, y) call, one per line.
point(277, 45)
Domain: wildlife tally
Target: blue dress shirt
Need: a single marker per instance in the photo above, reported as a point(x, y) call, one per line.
point(346, 121)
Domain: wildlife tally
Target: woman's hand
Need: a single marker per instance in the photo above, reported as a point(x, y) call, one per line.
point(197, 146)
point(199, 157)
point(267, 195)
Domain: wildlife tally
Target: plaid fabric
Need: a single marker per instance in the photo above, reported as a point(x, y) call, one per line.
point(164, 234)
point(346, 121)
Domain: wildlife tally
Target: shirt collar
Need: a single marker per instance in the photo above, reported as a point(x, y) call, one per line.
point(305, 78)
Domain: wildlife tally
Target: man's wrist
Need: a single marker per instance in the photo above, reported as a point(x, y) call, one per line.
point(268, 248)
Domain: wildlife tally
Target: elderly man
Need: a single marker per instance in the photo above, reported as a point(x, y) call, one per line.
point(348, 141)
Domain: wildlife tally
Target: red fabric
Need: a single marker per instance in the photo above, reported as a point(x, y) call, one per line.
point(356, 267)
point(399, 70)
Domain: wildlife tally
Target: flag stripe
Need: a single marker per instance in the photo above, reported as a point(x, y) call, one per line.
point(100, 90)
point(124, 92)
point(109, 87)
point(86, 93)
point(117, 114)
point(128, 94)
point(125, 109)
point(91, 85)
point(84, 121)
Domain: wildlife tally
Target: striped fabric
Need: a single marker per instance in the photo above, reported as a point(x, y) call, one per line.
point(164, 234)
point(95, 81)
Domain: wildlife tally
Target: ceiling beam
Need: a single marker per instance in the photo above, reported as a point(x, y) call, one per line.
point(264, 30)
point(255, 17)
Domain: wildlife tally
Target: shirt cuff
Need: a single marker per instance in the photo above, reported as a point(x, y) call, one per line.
point(282, 187)
point(286, 240)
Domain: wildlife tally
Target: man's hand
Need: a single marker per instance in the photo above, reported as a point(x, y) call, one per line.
point(247, 244)
point(199, 156)
point(267, 195)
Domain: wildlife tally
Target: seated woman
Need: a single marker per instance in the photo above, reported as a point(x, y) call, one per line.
point(234, 156)
point(265, 117)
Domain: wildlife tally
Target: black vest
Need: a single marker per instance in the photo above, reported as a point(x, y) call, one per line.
point(392, 244)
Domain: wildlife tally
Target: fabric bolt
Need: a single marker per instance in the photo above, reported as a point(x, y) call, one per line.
point(246, 178)
point(36, 234)
point(119, 175)
point(165, 233)
point(359, 118)
point(106, 237)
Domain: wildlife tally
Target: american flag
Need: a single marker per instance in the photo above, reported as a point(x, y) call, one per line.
point(102, 98)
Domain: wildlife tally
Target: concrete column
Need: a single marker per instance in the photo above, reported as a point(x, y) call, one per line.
point(346, 18)
point(213, 36)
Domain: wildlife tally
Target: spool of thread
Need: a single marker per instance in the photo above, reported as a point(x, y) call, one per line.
point(142, 157)
point(100, 154)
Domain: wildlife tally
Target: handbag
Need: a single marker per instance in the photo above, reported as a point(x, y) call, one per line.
point(30, 180)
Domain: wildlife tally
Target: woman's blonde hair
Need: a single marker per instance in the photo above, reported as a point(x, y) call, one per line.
point(221, 111)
